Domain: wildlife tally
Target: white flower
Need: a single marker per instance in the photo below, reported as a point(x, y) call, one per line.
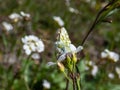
point(58, 20)
point(35, 56)
point(51, 64)
point(25, 14)
point(111, 75)
point(46, 84)
point(73, 10)
point(94, 70)
point(110, 55)
point(32, 44)
point(15, 16)
point(117, 69)
point(63, 44)
point(7, 26)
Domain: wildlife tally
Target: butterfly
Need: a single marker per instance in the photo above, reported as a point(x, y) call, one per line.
point(63, 44)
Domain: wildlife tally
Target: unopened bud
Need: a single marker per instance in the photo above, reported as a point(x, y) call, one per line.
point(61, 66)
point(69, 63)
point(68, 59)
point(74, 58)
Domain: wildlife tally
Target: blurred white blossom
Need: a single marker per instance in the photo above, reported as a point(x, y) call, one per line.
point(63, 44)
point(25, 14)
point(90, 63)
point(117, 69)
point(51, 63)
point(73, 10)
point(111, 75)
point(94, 70)
point(32, 44)
point(7, 26)
point(35, 56)
point(110, 55)
point(15, 17)
point(58, 20)
point(46, 84)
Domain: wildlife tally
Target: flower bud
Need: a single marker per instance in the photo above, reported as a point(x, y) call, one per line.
point(74, 58)
point(69, 63)
point(61, 66)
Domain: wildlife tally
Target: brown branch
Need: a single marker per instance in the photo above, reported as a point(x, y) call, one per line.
point(95, 22)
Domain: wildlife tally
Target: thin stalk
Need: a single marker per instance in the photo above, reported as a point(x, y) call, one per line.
point(67, 77)
point(78, 84)
point(23, 71)
point(74, 85)
point(73, 80)
point(26, 85)
point(95, 22)
point(26, 62)
point(67, 84)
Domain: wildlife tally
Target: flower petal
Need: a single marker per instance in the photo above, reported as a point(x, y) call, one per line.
point(51, 63)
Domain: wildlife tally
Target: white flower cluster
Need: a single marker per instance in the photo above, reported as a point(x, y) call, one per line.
point(46, 84)
point(110, 55)
point(58, 20)
point(94, 67)
point(25, 14)
point(63, 44)
point(16, 17)
point(112, 75)
point(7, 26)
point(32, 44)
point(73, 10)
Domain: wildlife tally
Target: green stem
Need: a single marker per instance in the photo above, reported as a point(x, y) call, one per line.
point(74, 86)
point(67, 84)
point(23, 72)
point(67, 76)
point(34, 79)
point(25, 63)
point(78, 84)
point(26, 85)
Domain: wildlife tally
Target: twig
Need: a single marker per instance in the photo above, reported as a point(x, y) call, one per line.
point(95, 22)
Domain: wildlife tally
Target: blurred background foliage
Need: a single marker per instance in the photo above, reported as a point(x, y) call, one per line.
point(41, 24)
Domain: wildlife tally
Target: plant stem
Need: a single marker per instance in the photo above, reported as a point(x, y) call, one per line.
point(67, 77)
point(74, 86)
point(78, 84)
point(67, 84)
point(23, 72)
point(95, 22)
point(73, 80)
point(26, 85)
